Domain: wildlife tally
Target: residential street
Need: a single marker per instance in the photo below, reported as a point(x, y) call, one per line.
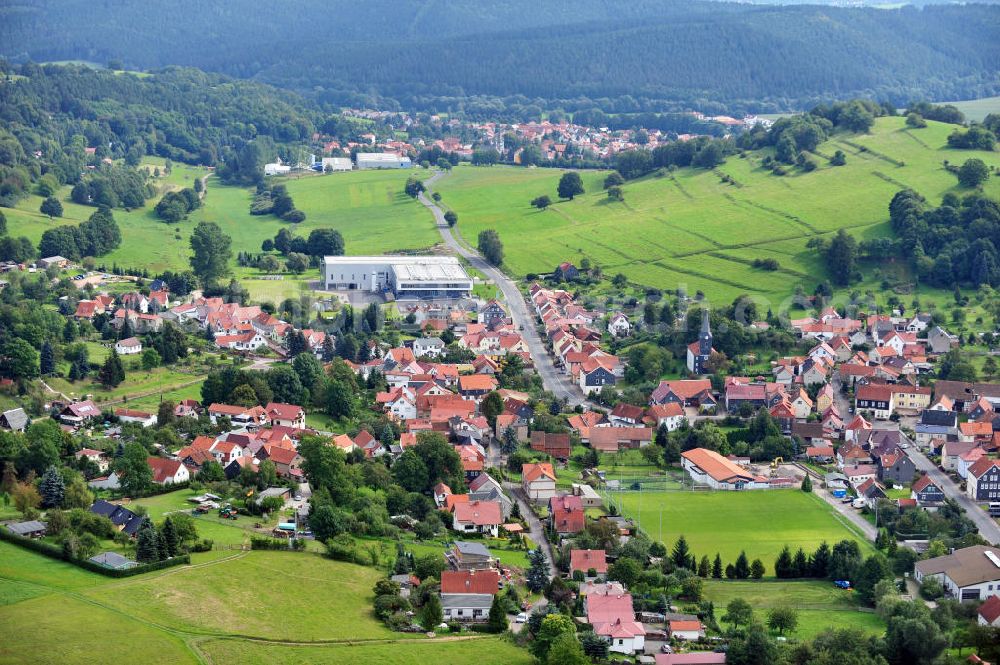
point(535, 529)
point(988, 527)
point(553, 379)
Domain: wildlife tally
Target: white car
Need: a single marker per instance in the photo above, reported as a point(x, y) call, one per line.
point(521, 618)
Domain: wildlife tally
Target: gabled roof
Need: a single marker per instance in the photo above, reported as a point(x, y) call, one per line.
point(990, 610)
point(716, 466)
point(923, 483)
point(163, 468)
point(533, 471)
point(480, 513)
point(584, 560)
point(470, 581)
point(983, 465)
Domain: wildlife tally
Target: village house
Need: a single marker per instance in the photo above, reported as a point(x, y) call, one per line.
point(613, 618)
point(79, 413)
point(971, 573)
point(538, 481)
point(555, 445)
point(286, 415)
point(896, 468)
point(686, 630)
point(669, 415)
point(466, 595)
point(592, 563)
point(15, 420)
point(134, 416)
point(686, 392)
point(982, 483)
point(482, 517)
point(128, 347)
point(167, 471)
point(926, 493)
point(619, 325)
point(936, 424)
point(566, 515)
point(470, 556)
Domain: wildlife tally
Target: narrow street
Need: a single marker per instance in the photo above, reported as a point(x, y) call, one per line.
point(553, 379)
point(987, 526)
point(535, 529)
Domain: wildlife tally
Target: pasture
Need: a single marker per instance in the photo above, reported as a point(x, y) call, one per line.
point(691, 229)
point(819, 604)
point(213, 611)
point(759, 522)
point(368, 207)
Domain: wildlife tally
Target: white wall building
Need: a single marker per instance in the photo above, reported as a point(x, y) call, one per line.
point(337, 164)
point(434, 276)
point(381, 160)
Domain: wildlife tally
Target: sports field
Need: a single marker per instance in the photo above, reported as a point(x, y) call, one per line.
point(368, 207)
point(691, 229)
point(760, 522)
point(253, 607)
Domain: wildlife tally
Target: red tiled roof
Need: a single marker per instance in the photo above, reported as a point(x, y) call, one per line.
point(480, 513)
point(470, 581)
point(584, 560)
point(163, 468)
point(990, 610)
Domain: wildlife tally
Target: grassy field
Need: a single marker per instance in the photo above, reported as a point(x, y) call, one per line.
point(759, 522)
point(690, 229)
point(977, 109)
point(368, 207)
point(820, 605)
point(479, 650)
point(245, 607)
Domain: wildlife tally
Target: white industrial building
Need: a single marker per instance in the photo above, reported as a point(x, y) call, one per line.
point(337, 164)
point(276, 168)
point(381, 160)
point(419, 276)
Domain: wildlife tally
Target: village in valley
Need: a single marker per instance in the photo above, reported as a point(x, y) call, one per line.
point(285, 383)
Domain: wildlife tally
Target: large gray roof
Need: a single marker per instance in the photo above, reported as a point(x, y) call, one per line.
point(474, 549)
point(476, 601)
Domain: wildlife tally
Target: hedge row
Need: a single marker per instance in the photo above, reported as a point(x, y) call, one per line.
point(55, 552)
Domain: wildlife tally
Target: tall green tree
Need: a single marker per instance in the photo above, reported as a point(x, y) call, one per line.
point(212, 250)
point(52, 488)
point(431, 613)
point(147, 543)
point(112, 372)
point(570, 185)
point(134, 473)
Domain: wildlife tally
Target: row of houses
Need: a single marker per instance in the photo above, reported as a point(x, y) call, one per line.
point(574, 341)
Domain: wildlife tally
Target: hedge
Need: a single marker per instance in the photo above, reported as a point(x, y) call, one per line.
point(55, 552)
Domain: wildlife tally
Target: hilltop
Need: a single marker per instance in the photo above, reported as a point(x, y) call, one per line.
point(703, 229)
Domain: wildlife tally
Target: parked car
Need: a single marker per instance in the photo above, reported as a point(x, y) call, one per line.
point(521, 618)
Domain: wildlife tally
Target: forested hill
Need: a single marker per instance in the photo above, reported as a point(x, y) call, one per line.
point(613, 54)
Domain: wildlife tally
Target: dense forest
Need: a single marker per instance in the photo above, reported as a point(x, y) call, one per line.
point(614, 56)
point(56, 121)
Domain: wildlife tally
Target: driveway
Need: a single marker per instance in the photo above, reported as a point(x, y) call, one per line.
point(554, 380)
point(987, 526)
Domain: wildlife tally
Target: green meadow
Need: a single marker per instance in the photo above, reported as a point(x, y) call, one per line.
point(759, 522)
point(368, 207)
point(689, 228)
point(227, 607)
point(820, 605)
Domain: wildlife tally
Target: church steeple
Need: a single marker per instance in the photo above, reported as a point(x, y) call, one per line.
point(705, 336)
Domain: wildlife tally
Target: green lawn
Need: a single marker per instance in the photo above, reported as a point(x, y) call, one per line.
point(80, 632)
point(274, 595)
point(760, 522)
point(368, 207)
point(479, 650)
point(137, 382)
point(820, 605)
point(691, 229)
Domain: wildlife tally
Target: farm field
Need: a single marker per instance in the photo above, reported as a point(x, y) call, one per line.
point(760, 522)
point(368, 207)
point(690, 229)
point(206, 612)
point(819, 604)
point(977, 109)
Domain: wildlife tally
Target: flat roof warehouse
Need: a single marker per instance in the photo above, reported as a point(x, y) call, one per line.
point(416, 275)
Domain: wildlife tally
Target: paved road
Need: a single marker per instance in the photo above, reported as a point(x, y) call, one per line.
point(845, 509)
point(553, 379)
point(988, 527)
point(535, 529)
